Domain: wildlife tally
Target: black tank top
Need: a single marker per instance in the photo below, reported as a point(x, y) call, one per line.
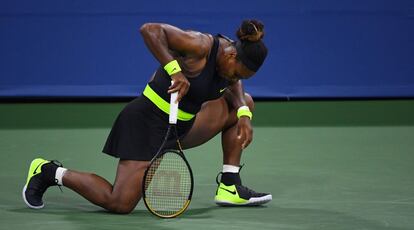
point(208, 85)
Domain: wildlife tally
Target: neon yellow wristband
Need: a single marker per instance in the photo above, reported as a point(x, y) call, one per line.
point(244, 111)
point(172, 67)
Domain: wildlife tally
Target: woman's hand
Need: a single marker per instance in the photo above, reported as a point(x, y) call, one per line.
point(180, 85)
point(244, 131)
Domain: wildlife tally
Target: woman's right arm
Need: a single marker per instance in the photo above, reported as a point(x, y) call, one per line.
point(164, 41)
point(161, 38)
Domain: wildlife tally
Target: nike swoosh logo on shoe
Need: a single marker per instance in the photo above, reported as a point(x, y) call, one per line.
point(232, 192)
point(34, 172)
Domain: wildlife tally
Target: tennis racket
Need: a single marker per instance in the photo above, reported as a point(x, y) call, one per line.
point(168, 181)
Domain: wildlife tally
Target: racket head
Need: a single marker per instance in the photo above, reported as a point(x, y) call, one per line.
point(168, 184)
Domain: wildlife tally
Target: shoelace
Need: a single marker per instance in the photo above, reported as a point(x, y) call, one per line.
point(246, 189)
point(56, 162)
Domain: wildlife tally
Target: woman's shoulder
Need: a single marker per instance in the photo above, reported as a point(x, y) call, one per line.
point(205, 41)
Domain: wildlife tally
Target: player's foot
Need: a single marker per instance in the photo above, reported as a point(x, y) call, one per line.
point(40, 177)
point(239, 195)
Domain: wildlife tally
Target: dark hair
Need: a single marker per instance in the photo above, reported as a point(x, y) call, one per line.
point(250, 49)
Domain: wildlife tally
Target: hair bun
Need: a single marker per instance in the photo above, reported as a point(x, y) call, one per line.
point(250, 30)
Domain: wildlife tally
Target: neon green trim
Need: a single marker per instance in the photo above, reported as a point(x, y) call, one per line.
point(172, 67)
point(224, 193)
point(222, 90)
point(244, 112)
point(165, 106)
point(35, 168)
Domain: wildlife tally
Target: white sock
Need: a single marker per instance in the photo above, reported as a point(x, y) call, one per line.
point(231, 169)
point(59, 175)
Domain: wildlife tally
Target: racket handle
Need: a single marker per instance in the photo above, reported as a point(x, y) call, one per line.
point(173, 107)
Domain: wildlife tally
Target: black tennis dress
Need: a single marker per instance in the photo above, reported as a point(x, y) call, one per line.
point(141, 126)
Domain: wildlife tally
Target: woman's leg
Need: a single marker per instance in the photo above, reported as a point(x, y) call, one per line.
point(214, 117)
point(122, 197)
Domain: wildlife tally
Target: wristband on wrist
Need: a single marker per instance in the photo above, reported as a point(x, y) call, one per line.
point(172, 67)
point(244, 111)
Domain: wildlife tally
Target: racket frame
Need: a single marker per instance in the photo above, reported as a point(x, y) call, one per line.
point(185, 206)
point(161, 151)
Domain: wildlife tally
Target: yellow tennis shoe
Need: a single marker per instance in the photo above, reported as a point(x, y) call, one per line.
point(41, 176)
point(239, 195)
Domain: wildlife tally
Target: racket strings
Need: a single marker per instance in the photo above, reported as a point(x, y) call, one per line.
point(168, 185)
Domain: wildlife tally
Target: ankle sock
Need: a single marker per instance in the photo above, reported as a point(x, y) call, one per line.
point(60, 172)
point(231, 169)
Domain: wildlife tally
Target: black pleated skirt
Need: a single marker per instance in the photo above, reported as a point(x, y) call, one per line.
point(139, 130)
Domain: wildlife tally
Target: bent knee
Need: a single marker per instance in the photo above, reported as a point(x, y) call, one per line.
point(249, 101)
point(123, 205)
point(121, 208)
point(123, 211)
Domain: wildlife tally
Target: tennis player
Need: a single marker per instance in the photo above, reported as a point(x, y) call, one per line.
point(207, 71)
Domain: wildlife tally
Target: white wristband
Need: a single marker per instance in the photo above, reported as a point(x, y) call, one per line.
point(244, 107)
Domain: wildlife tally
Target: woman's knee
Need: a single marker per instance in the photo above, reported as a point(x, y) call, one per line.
point(249, 101)
point(121, 207)
point(123, 210)
point(126, 191)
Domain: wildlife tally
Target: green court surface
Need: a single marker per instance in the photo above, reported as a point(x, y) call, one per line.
point(328, 164)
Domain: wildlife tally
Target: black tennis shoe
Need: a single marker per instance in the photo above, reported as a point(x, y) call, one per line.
point(239, 195)
point(40, 177)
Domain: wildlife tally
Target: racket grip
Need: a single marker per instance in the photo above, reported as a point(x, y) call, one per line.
point(173, 107)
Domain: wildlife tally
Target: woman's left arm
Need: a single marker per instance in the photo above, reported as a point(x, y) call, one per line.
point(234, 95)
